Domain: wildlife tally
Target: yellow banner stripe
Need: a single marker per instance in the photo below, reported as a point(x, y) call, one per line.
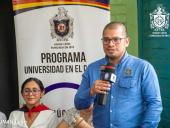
point(38, 4)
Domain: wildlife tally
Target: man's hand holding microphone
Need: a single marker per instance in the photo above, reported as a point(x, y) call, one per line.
point(102, 86)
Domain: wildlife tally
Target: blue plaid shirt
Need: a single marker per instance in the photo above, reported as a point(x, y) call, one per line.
point(134, 100)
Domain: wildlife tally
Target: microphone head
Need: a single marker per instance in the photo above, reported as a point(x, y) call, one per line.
point(110, 69)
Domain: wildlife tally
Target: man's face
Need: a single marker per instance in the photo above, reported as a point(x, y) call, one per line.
point(115, 43)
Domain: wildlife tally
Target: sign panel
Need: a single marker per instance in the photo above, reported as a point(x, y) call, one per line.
point(56, 40)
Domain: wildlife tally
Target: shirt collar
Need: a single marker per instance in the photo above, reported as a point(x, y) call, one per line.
point(121, 61)
point(123, 58)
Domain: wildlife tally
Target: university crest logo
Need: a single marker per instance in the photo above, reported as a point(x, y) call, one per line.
point(159, 19)
point(61, 25)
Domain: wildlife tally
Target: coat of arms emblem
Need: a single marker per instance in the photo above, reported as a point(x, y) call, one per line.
point(61, 25)
point(159, 19)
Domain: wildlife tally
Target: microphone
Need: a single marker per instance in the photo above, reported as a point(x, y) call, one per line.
point(107, 74)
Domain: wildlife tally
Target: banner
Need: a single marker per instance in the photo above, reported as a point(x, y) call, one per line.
point(56, 40)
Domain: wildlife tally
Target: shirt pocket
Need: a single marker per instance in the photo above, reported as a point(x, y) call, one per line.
point(127, 88)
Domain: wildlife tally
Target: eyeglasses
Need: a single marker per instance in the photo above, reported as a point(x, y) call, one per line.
point(28, 91)
point(115, 40)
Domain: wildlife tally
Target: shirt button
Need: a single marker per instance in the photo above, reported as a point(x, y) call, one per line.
point(111, 125)
point(110, 111)
point(112, 97)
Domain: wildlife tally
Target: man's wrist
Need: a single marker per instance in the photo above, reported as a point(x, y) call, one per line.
point(92, 92)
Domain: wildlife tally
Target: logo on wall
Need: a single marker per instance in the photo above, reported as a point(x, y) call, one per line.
point(159, 21)
point(61, 25)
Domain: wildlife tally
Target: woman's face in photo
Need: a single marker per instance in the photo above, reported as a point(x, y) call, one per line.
point(32, 93)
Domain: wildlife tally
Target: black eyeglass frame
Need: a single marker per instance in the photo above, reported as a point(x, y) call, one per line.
point(115, 40)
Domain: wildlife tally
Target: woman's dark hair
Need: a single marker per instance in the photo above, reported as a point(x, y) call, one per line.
point(36, 80)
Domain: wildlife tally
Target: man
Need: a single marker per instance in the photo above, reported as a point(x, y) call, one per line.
point(2, 120)
point(134, 99)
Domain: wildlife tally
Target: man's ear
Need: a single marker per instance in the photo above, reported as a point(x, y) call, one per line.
point(127, 41)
